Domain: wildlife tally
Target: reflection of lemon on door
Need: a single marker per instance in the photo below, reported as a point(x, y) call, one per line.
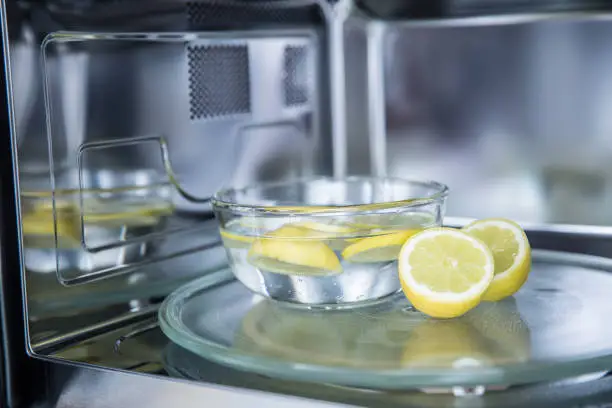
point(336, 236)
point(293, 250)
point(41, 220)
point(39, 228)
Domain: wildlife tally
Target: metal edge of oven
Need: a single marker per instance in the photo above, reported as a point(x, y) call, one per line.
point(16, 363)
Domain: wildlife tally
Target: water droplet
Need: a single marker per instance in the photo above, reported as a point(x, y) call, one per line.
point(409, 309)
point(548, 290)
point(476, 391)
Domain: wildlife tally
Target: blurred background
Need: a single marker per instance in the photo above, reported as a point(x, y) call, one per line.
point(513, 115)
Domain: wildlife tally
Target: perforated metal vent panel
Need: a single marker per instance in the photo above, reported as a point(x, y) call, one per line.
point(296, 72)
point(218, 80)
point(231, 14)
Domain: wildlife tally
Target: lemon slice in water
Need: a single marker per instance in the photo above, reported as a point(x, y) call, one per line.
point(336, 236)
point(327, 230)
point(378, 248)
point(238, 234)
point(235, 240)
point(393, 221)
point(445, 272)
point(292, 250)
point(511, 251)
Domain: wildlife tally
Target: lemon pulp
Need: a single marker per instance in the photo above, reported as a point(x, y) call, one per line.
point(511, 251)
point(445, 272)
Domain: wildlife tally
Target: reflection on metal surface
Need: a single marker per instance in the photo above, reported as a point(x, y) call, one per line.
point(99, 97)
point(486, 109)
point(511, 111)
point(55, 311)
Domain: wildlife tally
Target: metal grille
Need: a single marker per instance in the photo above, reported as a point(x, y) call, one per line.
point(296, 74)
point(218, 80)
point(232, 14)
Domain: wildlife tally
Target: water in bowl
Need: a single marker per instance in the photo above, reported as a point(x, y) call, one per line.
point(321, 262)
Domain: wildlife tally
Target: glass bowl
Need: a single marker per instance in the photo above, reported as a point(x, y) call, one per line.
point(324, 241)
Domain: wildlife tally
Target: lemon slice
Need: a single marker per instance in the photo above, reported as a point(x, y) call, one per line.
point(379, 248)
point(396, 221)
point(327, 230)
point(241, 232)
point(445, 272)
point(235, 240)
point(290, 250)
point(334, 235)
point(511, 251)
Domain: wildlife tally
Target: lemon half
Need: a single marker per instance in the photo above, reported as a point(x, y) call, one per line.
point(511, 251)
point(291, 250)
point(445, 272)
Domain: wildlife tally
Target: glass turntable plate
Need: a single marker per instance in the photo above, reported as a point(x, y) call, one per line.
point(556, 327)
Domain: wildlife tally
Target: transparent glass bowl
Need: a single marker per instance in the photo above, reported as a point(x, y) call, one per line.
point(324, 241)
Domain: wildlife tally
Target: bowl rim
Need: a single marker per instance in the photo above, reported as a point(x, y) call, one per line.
point(221, 204)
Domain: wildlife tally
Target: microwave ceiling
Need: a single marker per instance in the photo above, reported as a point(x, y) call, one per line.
point(168, 15)
point(206, 15)
point(440, 9)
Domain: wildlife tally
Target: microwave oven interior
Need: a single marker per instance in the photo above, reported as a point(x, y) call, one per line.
point(148, 107)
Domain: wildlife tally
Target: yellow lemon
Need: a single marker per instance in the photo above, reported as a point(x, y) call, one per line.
point(235, 240)
point(445, 272)
point(394, 221)
point(38, 230)
point(511, 251)
point(291, 250)
point(336, 236)
point(378, 248)
point(327, 230)
point(331, 234)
